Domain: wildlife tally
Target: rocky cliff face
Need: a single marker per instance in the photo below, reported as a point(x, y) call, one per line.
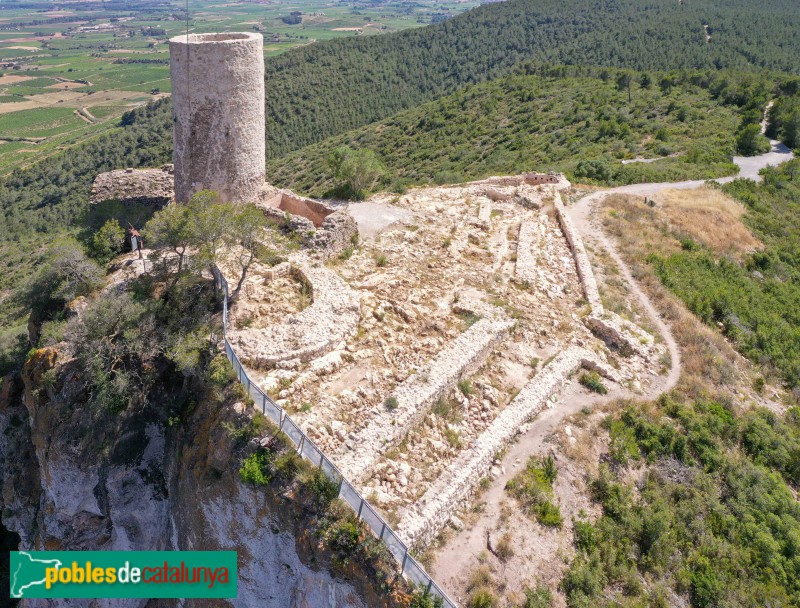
point(73, 478)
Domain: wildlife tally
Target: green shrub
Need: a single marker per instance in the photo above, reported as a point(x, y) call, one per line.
point(533, 487)
point(585, 536)
point(538, 598)
point(482, 598)
point(549, 514)
point(344, 539)
point(325, 490)
point(465, 386)
point(591, 380)
point(391, 403)
point(255, 469)
point(220, 371)
point(422, 599)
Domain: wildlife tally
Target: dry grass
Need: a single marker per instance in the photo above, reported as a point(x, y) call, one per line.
point(708, 216)
point(710, 363)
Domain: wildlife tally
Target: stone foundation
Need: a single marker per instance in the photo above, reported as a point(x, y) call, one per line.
point(588, 282)
point(527, 247)
point(150, 187)
point(451, 491)
point(331, 318)
point(419, 392)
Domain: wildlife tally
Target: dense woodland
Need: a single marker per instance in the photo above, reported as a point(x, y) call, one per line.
point(327, 88)
point(582, 121)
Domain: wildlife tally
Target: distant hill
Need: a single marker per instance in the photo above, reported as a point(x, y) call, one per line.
point(330, 87)
point(572, 119)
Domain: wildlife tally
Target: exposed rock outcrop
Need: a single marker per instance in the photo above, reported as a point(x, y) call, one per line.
point(151, 187)
point(73, 478)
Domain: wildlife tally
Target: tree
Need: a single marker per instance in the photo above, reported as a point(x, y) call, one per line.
point(246, 231)
point(790, 131)
point(171, 228)
point(624, 81)
point(108, 241)
point(211, 222)
point(750, 141)
point(67, 275)
point(356, 170)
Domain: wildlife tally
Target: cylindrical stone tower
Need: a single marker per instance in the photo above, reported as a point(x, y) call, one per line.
point(218, 105)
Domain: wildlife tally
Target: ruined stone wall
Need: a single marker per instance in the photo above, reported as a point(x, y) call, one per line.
point(457, 483)
point(585, 273)
point(618, 334)
point(415, 396)
point(218, 101)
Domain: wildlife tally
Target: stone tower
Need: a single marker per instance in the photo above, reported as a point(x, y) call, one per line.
point(218, 101)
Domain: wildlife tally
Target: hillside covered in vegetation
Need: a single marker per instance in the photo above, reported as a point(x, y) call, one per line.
point(579, 120)
point(323, 89)
point(756, 302)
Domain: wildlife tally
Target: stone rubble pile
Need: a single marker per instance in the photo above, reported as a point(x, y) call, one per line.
point(331, 318)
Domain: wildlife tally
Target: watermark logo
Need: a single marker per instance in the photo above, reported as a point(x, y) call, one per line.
point(122, 574)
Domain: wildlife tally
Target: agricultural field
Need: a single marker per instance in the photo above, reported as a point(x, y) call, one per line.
point(68, 74)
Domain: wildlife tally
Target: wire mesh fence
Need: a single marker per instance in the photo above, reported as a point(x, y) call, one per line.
point(408, 566)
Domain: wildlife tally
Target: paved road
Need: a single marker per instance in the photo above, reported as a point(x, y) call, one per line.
point(749, 166)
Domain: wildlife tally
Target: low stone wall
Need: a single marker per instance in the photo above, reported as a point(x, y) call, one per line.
point(621, 335)
point(419, 392)
point(527, 245)
point(338, 231)
point(151, 187)
point(456, 485)
point(305, 207)
point(617, 333)
point(585, 273)
point(332, 317)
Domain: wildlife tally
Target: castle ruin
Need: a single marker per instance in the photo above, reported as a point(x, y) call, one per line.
point(218, 111)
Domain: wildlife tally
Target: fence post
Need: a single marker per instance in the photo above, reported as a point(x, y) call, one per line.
point(430, 582)
point(302, 442)
point(383, 529)
point(263, 403)
point(360, 506)
point(321, 459)
point(283, 418)
point(403, 565)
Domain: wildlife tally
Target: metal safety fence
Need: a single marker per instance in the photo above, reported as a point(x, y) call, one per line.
point(409, 567)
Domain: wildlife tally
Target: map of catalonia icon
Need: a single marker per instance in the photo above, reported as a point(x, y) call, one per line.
point(29, 572)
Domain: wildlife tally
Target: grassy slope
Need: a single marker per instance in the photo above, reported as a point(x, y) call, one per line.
point(524, 123)
point(756, 302)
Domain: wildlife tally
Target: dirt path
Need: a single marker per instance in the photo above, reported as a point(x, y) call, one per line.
point(591, 230)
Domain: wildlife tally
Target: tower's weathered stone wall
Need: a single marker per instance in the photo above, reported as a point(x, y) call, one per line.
point(218, 99)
